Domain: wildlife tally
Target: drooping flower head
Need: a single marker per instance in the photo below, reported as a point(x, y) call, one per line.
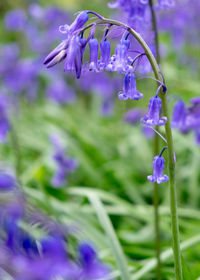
point(153, 116)
point(158, 168)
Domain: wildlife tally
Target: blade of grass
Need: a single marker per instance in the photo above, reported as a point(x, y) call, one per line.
point(113, 240)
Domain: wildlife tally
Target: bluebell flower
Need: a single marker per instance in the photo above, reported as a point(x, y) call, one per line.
point(94, 52)
point(75, 55)
point(105, 54)
point(158, 168)
point(129, 88)
point(153, 116)
point(119, 61)
point(91, 267)
point(65, 165)
point(179, 114)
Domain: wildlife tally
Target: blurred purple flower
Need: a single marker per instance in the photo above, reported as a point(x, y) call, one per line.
point(91, 267)
point(15, 20)
point(4, 121)
point(179, 115)
point(7, 182)
point(133, 116)
point(60, 92)
point(65, 165)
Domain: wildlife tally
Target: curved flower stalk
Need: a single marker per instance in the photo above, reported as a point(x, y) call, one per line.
point(155, 107)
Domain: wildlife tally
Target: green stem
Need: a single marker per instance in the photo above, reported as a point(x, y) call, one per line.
point(171, 162)
point(156, 212)
point(155, 29)
point(156, 152)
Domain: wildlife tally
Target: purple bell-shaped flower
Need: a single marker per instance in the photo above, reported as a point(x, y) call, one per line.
point(158, 168)
point(105, 54)
point(129, 88)
point(94, 52)
point(153, 116)
point(119, 61)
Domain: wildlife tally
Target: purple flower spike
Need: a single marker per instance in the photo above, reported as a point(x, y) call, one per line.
point(94, 50)
point(179, 114)
point(153, 116)
point(129, 88)
point(158, 168)
point(105, 54)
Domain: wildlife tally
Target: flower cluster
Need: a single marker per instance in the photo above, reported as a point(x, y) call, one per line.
point(65, 165)
point(72, 50)
point(27, 257)
point(187, 119)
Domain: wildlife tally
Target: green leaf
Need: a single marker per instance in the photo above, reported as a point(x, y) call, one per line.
point(186, 271)
point(113, 240)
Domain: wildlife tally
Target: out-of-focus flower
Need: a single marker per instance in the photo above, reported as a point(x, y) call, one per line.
point(91, 267)
point(60, 92)
point(65, 165)
point(105, 54)
point(153, 116)
point(15, 20)
point(7, 181)
point(133, 116)
point(179, 114)
point(158, 168)
point(4, 121)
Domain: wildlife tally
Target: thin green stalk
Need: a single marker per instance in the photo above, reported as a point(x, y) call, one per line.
point(171, 162)
point(156, 152)
point(156, 212)
point(155, 29)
